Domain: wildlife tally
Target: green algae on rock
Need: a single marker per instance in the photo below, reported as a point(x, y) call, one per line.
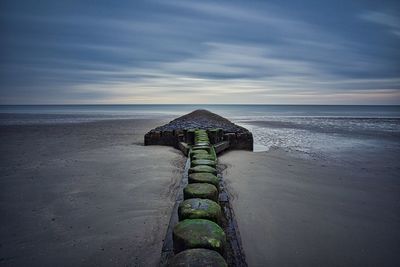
point(200, 135)
point(198, 162)
point(206, 148)
point(198, 233)
point(196, 152)
point(197, 257)
point(203, 156)
point(204, 177)
point(203, 168)
point(197, 208)
point(200, 190)
point(202, 143)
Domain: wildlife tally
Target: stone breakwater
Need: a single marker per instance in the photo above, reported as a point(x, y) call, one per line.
point(202, 229)
point(179, 133)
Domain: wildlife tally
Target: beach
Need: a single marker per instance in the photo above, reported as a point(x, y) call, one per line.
point(79, 188)
point(294, 210)
point(85, 194)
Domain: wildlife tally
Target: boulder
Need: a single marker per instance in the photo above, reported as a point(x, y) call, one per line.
point(197, 208)
point(200, 190)
point(197, 257)
point(203, 156)
point(207, 178)
point(203, 168)
point(198, 233)
point(207, 162)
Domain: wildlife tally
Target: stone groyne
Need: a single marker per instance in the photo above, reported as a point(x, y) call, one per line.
point(202, 229)
point(222, 133)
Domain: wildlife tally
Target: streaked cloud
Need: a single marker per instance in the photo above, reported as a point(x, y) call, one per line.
point(384, 19)
point(198, 52)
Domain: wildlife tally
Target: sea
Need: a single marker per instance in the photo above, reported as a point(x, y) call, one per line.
point(314, 130)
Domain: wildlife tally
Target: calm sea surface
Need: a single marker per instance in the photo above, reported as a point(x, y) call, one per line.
point(310, 129)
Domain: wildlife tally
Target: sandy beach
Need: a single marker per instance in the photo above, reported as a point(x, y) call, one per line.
point(298, 211)
point(90, 194)
point(86, 194)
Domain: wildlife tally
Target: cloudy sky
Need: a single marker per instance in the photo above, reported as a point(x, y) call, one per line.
point(274, 52)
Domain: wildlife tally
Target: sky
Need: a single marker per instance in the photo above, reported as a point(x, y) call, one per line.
point(170, 51)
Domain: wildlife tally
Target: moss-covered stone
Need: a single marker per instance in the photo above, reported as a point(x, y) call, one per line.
point(207, 162)
point(198, 233)
point(198, 151)
point(212, 152)
point(207, 178)
point(201, 190)
point(202, 143)
point(197, 257)
point(203, 156)
point(203, 168)
point(207, 148)
point(197, 208)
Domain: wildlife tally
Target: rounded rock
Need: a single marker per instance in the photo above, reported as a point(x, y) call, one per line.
point(202, 143)
point(207, 162)
point(201, 190)
point(197, 208)
point(196, 147)
point(198, 152)
point(203, 168)
point(204, 177)
point(203, 156)
point(198, 233)
point(197, 257)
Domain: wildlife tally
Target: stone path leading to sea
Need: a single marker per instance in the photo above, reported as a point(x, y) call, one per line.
point(202, 229)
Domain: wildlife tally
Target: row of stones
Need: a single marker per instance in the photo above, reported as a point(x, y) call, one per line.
point(239, 140)
point(198, 238)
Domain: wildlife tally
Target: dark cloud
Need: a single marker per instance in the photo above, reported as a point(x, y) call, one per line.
point(187, 51)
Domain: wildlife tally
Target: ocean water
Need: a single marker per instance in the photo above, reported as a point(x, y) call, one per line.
point(310, 129)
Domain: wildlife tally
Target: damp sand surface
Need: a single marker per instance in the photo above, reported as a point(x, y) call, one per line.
point(297, 210)
point(85, 194)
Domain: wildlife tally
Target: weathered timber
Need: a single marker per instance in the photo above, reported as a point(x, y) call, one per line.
point(217, 128)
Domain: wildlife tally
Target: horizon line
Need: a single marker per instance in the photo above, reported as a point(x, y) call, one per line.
point(199, 104)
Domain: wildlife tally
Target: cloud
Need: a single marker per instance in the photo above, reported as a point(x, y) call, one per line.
point(190, 51)
point(384, 19)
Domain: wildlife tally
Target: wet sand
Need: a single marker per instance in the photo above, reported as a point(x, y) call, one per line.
point(90, 194)
point(87, 194)
point(298, 211)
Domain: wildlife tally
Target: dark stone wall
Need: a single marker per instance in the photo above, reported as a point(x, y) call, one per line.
point(218, 129)
point(242, 140)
